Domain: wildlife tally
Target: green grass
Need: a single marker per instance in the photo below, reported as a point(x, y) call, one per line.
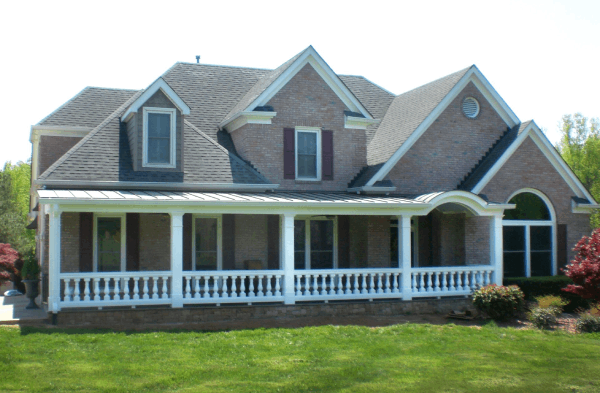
point(411, 357)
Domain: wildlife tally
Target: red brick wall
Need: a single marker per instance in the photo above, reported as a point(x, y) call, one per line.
point(449, 149)
point(477, 240)
point(528, 167)
point(250, 239)
point(378, 235)
point(69, 243)
point(155, 242)
point(305, 101)
point(51, 148)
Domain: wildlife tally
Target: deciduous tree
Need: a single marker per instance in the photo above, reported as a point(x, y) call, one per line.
point(584, 270)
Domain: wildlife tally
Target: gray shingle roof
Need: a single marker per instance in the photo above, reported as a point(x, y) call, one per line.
point(88, 108)
point(492, 156)
point(104, 155)
point(406, 112)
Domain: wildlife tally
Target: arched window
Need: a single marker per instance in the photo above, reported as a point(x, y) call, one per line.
point(529, 236)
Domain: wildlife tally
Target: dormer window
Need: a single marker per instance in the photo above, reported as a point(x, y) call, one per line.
point(159, 138)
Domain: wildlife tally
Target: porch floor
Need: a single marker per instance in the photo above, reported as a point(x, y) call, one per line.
point(12, 310)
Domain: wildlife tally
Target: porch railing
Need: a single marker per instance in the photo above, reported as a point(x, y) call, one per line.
point(256, 286)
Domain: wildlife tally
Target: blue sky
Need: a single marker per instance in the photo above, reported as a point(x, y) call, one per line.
point(541, 56)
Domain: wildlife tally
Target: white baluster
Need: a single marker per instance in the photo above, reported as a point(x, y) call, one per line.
point(86, 289)
point(414, 282)
point(117, 289)
point(372, 284)
point(314, 284)
point(205, 288)
point(277, 285)
point(298, 286)
point(323, 290)
point(459, 283)
point(487, 277)
point(107, 289)
point(234, 286)
point(187, 290)
point(468, 280)
point(196, 285)
point(145, 290)
point(216, 286)
point(224, 287)
point(429, 283)
point(356, 290)
point(421, 282)
point(364, 283)
point(76, 292)
point(136, 289)
point(436, 281)
point(96, 289)
point(451, 285)
point(386, 283)
point(332, 284)
point(339, 286)
point(243, 286)
point(251, 290)
point(396, 278)
point(444, 282)
point(66, 290)
point(165, 289)
point(155, 287)
point(260, 286)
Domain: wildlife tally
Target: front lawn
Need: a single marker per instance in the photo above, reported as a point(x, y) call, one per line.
point(411, 357)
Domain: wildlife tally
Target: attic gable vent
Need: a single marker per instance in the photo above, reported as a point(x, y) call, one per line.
point(470, 107)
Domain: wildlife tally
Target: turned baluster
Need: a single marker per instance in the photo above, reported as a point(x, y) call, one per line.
point(444, 282)
point(96, 289)
point(224, 287)
point(277, 285)
point(233, 286)
point(251, 289)
point(86, 289)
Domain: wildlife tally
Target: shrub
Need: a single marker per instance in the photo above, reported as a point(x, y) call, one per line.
point(542, 318)
point(533, 287)
point(31, 269)
point(584, 270)
point(553, 303)
point(588, 323)
point(499, 302)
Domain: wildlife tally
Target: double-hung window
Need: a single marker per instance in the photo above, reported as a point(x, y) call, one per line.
point(308, 153)
point(159, 137)
point(109, 243)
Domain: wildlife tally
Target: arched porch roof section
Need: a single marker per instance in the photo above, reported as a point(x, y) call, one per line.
point(471, 202)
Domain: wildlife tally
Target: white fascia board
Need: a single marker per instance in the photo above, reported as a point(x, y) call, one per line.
point(121, 185)
point(243, 118)
point(310, 56)
point(583, 208)
point(473, 75)
point(538, 137)
point(358, 123)
point(159, 84)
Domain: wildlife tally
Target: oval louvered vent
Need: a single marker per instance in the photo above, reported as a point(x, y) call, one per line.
point(470, 107)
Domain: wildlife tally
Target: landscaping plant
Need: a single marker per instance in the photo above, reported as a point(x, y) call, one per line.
point(588, 323)
point(542, 318)
point(31, 269)
point(584, 270)
point(551, 303)
point(499, 302)
point(8, 258)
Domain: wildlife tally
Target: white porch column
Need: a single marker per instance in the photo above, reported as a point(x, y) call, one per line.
point(404, 255)
point(177, 260)
point(496, 248)
point(54, 260)
point(287, 254)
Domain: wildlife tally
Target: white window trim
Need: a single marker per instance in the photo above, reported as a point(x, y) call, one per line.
point(307, 250)
point(173, 162)
point(529, 223)
point(123, 218)
point(219, 218)
point(315, 130)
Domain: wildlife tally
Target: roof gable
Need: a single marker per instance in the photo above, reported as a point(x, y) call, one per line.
point(411, 114)
point(270, 84)
point(531, 130)
point(162, 85)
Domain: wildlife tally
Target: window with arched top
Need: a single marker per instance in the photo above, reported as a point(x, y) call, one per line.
point(529, 236)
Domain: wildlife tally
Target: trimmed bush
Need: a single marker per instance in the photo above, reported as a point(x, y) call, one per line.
point(499, 302)
point(533, 287)
point(543, 318)
point(588, 323)
point(554, 304)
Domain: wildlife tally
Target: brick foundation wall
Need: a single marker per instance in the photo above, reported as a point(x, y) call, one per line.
point(250, 239)
point(305, 101)
point(155, 242)
point(449, 149)
point(477, 240)
point(140, 318)
point(69, 243)
point(528, 167)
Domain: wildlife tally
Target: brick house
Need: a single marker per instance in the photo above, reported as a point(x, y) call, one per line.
point(224, 185)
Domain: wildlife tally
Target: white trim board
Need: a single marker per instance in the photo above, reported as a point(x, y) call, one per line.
point(536, 135)
point(484, 87)
point(157, 85)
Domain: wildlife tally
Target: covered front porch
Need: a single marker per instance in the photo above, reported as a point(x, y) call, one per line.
point(130, 248)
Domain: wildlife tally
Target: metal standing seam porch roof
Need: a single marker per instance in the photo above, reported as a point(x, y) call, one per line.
point(208, 198)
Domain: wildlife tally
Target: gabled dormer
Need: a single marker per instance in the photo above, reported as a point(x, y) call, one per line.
point(154, 124)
